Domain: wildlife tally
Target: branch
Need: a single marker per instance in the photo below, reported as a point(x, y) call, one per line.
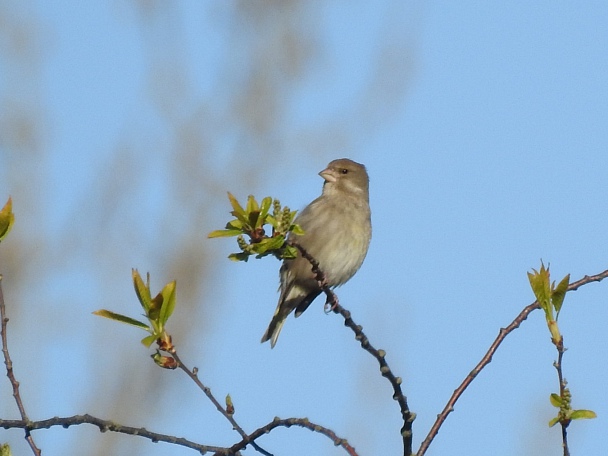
point(487, 358)
point(302, 422)
point(407, 416)
point(104, 426)
point(562, 391)
point(193, 374)
point(10, 374)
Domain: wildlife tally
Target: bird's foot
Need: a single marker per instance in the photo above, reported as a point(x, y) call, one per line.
point(331, 304)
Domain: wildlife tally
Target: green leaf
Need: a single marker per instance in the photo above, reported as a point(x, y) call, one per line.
point(554, 421)
point(290, 252)
point(541, 286)
point(272, 220)
point(582, 415)
point(254, 218)
point(149, 340)
point(238, 211)
point(556, 400)
point(242, 256)
point(7, 219)
point(121, 318)
point(252, 204)
point(264, 208)
point(559, 293)
point(224, 233)
point(155, 306)
point(267, 244)
point(157, 327)
point(296, 229)
point(536, 284)
point(141, 290)
point(235, 224)
point(169, 300)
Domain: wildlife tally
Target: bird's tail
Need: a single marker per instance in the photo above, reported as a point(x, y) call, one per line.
point(300, 302)
point(274, 329)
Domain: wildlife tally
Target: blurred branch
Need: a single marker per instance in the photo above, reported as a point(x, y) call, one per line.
point(302, 422)
point(380, 355)
point(11, 376)
point(104, 426)
point(487, 358)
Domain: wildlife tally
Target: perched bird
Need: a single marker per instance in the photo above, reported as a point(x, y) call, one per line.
point(337, 231)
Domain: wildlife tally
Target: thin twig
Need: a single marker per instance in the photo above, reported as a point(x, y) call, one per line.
point(11, 376)
point(194, 376)
point(380, 355)
point(562, 392)
point(487, 358)
point(105, 425)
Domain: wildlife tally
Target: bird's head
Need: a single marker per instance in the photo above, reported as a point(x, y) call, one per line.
point(345, 176)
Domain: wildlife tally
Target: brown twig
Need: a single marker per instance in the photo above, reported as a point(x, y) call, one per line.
point(104, 426)
point(302, 422)
point(487, 358)
point(11, 375)
point(380, 355)
point(562, 392)
point(194, 376)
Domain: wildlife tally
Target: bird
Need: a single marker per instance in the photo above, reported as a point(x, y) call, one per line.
point(337, 233)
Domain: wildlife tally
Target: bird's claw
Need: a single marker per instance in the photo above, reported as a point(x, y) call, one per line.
point(330, 304)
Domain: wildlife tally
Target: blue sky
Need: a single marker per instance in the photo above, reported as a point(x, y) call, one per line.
point(485, 136)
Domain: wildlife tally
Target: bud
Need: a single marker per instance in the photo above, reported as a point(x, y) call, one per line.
point(166, 362)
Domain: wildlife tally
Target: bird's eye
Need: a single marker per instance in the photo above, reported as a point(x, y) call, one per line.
point(344, 171)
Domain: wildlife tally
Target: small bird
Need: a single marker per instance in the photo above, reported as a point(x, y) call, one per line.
point(337, 231)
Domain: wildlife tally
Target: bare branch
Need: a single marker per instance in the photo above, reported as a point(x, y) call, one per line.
point(104, 426)
point(302, 422)
point(380, 355)
point(11, 375)
point(562, 391)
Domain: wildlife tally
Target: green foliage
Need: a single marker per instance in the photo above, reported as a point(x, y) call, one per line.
point(157, 310)
point(251, 220)
point(7, 219)
point(566, 414)
point(121, 318)
point(549, 297)
point(5, 450)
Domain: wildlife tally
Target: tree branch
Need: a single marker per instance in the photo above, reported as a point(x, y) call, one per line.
point(380, 355)
point(11, 375)
point(104, 426)
point(562, 392)
point(302, 422)
point(107, 425)
point(487, 358)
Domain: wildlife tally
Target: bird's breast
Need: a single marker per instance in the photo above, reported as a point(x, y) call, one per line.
point(338, 237)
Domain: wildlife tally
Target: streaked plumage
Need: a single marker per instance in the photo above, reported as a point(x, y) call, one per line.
point(337, 229)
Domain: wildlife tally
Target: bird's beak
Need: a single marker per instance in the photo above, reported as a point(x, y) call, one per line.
point(328, 174)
